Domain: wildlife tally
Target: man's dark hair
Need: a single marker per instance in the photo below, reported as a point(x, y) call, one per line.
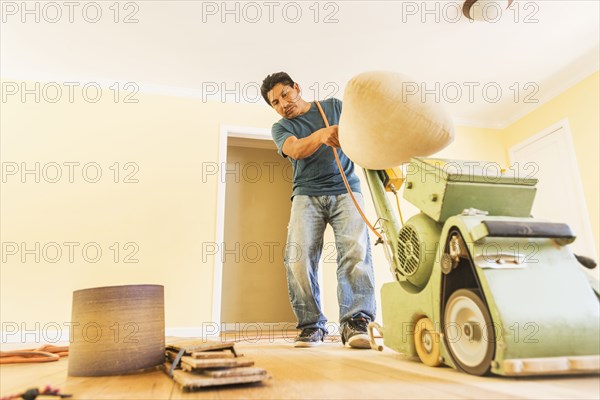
point(270, 81)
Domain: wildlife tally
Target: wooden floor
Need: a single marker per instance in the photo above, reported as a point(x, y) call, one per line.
point(329, 371)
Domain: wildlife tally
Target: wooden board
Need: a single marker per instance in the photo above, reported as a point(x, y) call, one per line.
point(189, 363)
point(213, 354)
point(171, 355)
point(189, 380)
point(242, 371)
point(195, 344)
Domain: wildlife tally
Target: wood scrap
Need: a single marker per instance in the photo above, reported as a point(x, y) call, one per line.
point(190, 380)
point(192, 364)
point(197, 363)
point(192, 345)
point(239, 371)
point(171, 355)
point(213, 354)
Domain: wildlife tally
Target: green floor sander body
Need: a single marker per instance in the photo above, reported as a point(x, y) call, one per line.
point(481, 286)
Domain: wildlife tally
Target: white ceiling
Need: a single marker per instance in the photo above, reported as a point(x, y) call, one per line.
point(172, 50)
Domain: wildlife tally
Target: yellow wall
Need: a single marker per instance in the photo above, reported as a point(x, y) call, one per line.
point(170, 214)
point(580, 105)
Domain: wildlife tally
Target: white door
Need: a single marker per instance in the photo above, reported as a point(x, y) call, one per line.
point(550, 157)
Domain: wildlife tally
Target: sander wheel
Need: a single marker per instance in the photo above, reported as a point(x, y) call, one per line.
point(427, 342)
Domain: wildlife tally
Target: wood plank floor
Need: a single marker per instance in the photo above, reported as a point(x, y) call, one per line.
point(326, 372)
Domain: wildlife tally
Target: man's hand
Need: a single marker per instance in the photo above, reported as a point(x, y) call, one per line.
point(329, 136)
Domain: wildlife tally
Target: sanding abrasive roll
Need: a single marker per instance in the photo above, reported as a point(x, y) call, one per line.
point(117, 330)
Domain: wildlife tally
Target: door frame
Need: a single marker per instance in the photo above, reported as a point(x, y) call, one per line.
point(574, 167)
point(226, 132)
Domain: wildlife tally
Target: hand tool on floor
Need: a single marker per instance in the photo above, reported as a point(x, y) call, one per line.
point(32, 394)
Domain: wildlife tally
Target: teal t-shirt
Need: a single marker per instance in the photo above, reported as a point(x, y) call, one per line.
point(318, 174)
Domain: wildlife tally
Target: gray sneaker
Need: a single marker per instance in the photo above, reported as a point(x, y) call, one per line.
point(309, 337)
point(354, 333)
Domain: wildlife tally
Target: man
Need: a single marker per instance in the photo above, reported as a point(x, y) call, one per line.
point(320, 197)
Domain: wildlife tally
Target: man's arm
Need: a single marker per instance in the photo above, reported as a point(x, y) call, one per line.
point(305, 147)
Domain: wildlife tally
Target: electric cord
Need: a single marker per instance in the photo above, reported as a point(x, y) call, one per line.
point(339, 164)
point(395, 191)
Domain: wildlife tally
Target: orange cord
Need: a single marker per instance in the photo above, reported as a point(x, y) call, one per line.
point(399, 210)
point(45, 353)
point(339, 164)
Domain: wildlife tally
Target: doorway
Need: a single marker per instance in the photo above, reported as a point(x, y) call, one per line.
point(254, 199)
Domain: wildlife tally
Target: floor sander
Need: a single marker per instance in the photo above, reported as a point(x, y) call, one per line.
point(481, 285)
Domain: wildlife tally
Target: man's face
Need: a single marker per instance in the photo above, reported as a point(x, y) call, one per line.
point(284, 99)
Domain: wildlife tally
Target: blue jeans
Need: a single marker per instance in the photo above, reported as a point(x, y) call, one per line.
point(355, 289)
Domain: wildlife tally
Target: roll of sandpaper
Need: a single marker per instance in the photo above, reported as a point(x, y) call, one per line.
point(117, 330)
